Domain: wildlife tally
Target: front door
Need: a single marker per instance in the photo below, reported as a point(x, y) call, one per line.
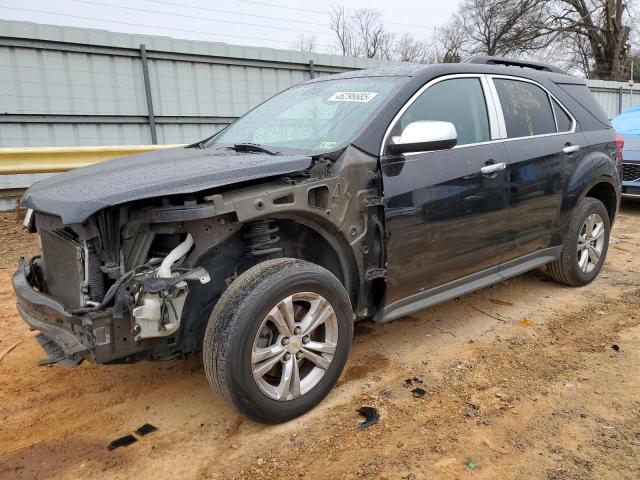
point(445, 218)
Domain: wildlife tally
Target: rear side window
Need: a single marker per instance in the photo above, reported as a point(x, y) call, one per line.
point(581, 94)
point(526, 108)
point(563, 120)
point(459, 101)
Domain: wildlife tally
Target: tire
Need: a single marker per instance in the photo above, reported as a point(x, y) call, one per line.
point(567, 269)
point(249, 320)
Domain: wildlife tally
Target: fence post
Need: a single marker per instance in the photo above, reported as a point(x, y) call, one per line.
point(312, 69)
point(147, 91)
point(619, 100)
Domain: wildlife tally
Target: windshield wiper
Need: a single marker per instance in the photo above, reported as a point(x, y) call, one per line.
point(253, 147)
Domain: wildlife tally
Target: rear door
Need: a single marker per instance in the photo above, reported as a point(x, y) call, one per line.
point(445, 218)
point(543, 148)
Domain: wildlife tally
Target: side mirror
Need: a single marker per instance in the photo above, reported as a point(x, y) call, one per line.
point(424, 136)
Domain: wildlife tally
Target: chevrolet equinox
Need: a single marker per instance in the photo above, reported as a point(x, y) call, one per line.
point(370, 194)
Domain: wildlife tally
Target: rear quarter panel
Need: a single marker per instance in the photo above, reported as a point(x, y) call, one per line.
point(599, 165)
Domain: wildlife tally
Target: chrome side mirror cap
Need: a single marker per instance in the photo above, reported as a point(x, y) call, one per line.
point(424, 136)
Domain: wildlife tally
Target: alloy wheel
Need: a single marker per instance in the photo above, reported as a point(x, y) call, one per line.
point(294, 346)
point(591, 243)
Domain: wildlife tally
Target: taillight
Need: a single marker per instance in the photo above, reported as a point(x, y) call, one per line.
point(620, 146)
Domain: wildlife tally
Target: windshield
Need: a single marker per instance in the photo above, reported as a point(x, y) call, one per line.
point(313, 117)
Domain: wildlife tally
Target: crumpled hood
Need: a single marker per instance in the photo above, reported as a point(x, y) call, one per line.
point(78, 194)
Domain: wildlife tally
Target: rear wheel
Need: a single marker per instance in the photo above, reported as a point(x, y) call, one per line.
point(585, 245)
point(278, 339)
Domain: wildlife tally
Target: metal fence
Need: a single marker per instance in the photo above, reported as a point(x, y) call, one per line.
point(64, 86)
point(75, 87)
point(614, 97)
point(72, 87)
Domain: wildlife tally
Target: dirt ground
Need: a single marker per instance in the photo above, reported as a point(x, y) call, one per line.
point(526, 379)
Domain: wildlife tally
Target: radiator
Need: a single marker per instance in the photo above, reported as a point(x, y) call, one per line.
point(64, 274)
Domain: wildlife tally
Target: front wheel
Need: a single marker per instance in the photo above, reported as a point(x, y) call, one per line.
point(278, 339)
point(585, 244)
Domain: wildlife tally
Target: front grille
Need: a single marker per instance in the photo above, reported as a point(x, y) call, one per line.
point(62, 259)
point(630, 171)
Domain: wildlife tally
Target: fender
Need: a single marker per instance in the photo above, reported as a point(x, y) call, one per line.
point(595, 168)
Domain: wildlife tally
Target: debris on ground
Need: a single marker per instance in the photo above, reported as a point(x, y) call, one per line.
point(525, 322)
point(371, 416)
point(494, 447)
point(146, 429)
point(55, 354)
point(6, 352)
point(418, 392)
point(473, 411)
point(408, 382)
point(122, 442)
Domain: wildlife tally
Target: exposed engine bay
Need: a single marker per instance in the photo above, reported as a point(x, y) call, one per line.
point(139, 280)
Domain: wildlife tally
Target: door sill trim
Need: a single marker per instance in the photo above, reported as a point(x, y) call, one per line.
point(470, 283)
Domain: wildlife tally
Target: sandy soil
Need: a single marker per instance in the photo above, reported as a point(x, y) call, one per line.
point(527, 379)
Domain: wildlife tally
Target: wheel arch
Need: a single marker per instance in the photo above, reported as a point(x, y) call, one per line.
point(596, 176)
point(604, 191)
point(327, 247)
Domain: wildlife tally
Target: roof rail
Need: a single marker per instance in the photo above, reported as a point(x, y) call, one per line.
point(509, 62)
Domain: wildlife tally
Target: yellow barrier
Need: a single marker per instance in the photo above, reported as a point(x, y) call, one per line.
point(14, 161)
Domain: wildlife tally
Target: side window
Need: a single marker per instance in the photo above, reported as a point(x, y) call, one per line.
point(459, 101)
point(563, 120)
point(526, 108)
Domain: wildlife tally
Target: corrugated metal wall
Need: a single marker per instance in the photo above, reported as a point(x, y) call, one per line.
point(67, 87)
point(64, 86)
point(614, 97)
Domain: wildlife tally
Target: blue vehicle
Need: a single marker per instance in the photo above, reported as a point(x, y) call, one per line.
point(627, 124)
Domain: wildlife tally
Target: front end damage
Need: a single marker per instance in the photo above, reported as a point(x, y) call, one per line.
point(142, 304)
point(139, 280)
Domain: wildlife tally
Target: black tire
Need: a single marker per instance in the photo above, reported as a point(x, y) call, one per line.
point(566, 269)
point(233, 328)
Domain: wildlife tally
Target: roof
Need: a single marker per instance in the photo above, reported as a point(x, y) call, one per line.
point(486, 65)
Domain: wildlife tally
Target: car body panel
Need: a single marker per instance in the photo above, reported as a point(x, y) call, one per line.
point(538, 176)
point(76, 195)
point(444, 218)
point(627, 125)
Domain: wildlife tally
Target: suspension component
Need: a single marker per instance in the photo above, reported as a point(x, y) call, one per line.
point(263, 239)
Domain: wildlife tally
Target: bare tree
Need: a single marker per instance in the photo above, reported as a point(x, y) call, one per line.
point(600, 29)
point(635, 57)
point(305, 43)
point(361, 33)
point(589, 35)
point(502, 27)
point(342, 27)
point(372, 40)
point(451, 42)
point(408, 49)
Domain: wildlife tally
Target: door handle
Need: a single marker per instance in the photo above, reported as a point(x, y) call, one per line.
point(569, 149)
point(493, 168)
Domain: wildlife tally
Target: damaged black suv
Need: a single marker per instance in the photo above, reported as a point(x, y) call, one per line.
point(370, 194)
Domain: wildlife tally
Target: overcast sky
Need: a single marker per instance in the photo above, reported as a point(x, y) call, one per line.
point(265, 23)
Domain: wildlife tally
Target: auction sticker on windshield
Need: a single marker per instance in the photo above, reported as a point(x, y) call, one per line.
point(362, 97)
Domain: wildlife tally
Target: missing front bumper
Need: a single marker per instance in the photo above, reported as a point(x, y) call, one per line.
point(97, 337)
